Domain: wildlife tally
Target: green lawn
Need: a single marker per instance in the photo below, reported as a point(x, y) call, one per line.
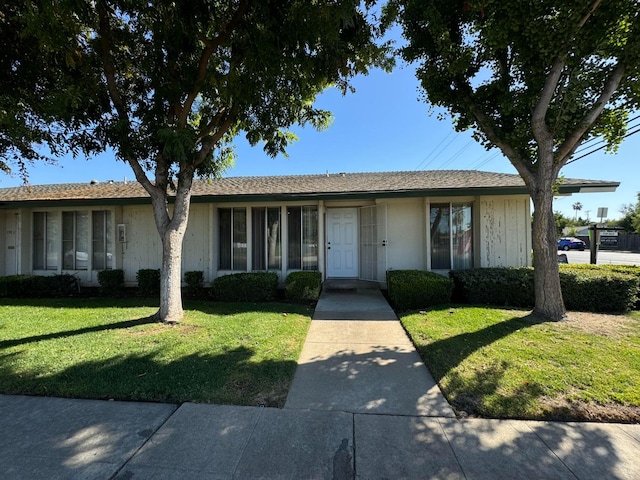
point(503, 364)
point(241, 354)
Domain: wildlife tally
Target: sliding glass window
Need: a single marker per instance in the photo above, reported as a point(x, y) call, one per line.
point(266, 243)
point(233, 239)
point(75, 240)
point(46, 244)
point(451, 233)
point(302, 228)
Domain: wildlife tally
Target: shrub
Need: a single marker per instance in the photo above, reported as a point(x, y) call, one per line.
point(35, 286)
point(111, 282)
point(303, 286)
point(589, 288)
point(193, 283)
point(15, 286)
point(245, 287)
point(494, 286)
point(148, 282)
point(598, 290)
point(411, 289)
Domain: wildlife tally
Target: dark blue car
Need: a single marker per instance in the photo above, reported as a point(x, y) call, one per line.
point(571, 243)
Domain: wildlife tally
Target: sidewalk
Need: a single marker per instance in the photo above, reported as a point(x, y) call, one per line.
point(357, 409)
point(51, 438)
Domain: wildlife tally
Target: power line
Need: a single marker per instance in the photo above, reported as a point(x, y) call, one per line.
point(454, 156)
point(436, 149)
point(603, 146)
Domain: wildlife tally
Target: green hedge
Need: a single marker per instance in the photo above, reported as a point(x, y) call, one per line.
point(245, 287)
point(599, 290)
point(303, 286)
point(194, 283)
point(494, 286)
point(111, 282)
point(34, 286)
point(148, 282)
point(587, 288)
point(412, 289)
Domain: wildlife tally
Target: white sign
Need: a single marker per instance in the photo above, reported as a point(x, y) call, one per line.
point(602, 212)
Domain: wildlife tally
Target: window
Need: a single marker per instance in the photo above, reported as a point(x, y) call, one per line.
point(266, 248)
point(451, 230)
point(302, 225)
point(75, 235)
point(75, 240)
point(45, 240)
point(233, 239)
point(102, 240)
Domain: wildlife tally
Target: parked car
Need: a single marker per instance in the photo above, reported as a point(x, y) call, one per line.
point(571, 243)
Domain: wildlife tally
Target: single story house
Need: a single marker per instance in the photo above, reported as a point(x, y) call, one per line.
point(346, 225)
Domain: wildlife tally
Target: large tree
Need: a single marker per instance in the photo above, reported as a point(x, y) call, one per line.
point(184, 77)
point(47, 90)
point(535, 78)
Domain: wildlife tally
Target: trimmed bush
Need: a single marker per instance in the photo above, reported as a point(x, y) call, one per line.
point(598, 290)
point(303, 286)
point(16, 286)
point(193, 283)
point(245, 287)
point(587, 288)
point(494, 286)
point(412, 289)
point(148, 282)
point(35, 286)
point(111, 282)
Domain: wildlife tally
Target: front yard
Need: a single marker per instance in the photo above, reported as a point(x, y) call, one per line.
point(504, 364)
point(238, 353)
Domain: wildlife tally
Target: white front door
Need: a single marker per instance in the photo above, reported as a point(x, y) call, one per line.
point(342, 242)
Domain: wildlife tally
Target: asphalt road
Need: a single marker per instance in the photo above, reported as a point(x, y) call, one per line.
point(605, 257)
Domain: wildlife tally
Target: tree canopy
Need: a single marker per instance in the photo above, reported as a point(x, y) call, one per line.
point(534, 78)
point(168, 85)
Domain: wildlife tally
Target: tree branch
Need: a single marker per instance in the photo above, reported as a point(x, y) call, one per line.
point(488, 127)
point(210, 47)
point(567, 147)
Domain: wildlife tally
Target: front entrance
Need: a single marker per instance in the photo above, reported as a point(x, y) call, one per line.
point(342, 242)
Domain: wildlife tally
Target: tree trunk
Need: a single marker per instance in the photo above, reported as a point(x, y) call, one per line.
point(172, 231)
point(548, 296)
point(171, 277)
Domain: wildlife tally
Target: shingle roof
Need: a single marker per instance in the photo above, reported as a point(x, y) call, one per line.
point(437, 182)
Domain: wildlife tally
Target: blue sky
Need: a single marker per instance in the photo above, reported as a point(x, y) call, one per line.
point(382, 127)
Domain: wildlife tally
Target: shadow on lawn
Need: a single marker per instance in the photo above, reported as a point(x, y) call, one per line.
point(78, 331)
point(230, 377)
point(468, 393)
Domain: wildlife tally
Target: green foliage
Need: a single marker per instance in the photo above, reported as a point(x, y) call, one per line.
point(303, 286)
point(245, 287)
point(194, 283)
point(599, 290)
point(16, 286)
point(534, 79)
point(591, 288)
point(111, 282)
point(35, 286)
point(148, 282)
point(412, 289)
point(494, 286)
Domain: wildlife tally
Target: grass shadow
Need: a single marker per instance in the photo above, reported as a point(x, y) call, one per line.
point(230, 377)
point(80, 331)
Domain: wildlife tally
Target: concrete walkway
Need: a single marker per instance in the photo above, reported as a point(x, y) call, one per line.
point(355, 425)
point(357, 358)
